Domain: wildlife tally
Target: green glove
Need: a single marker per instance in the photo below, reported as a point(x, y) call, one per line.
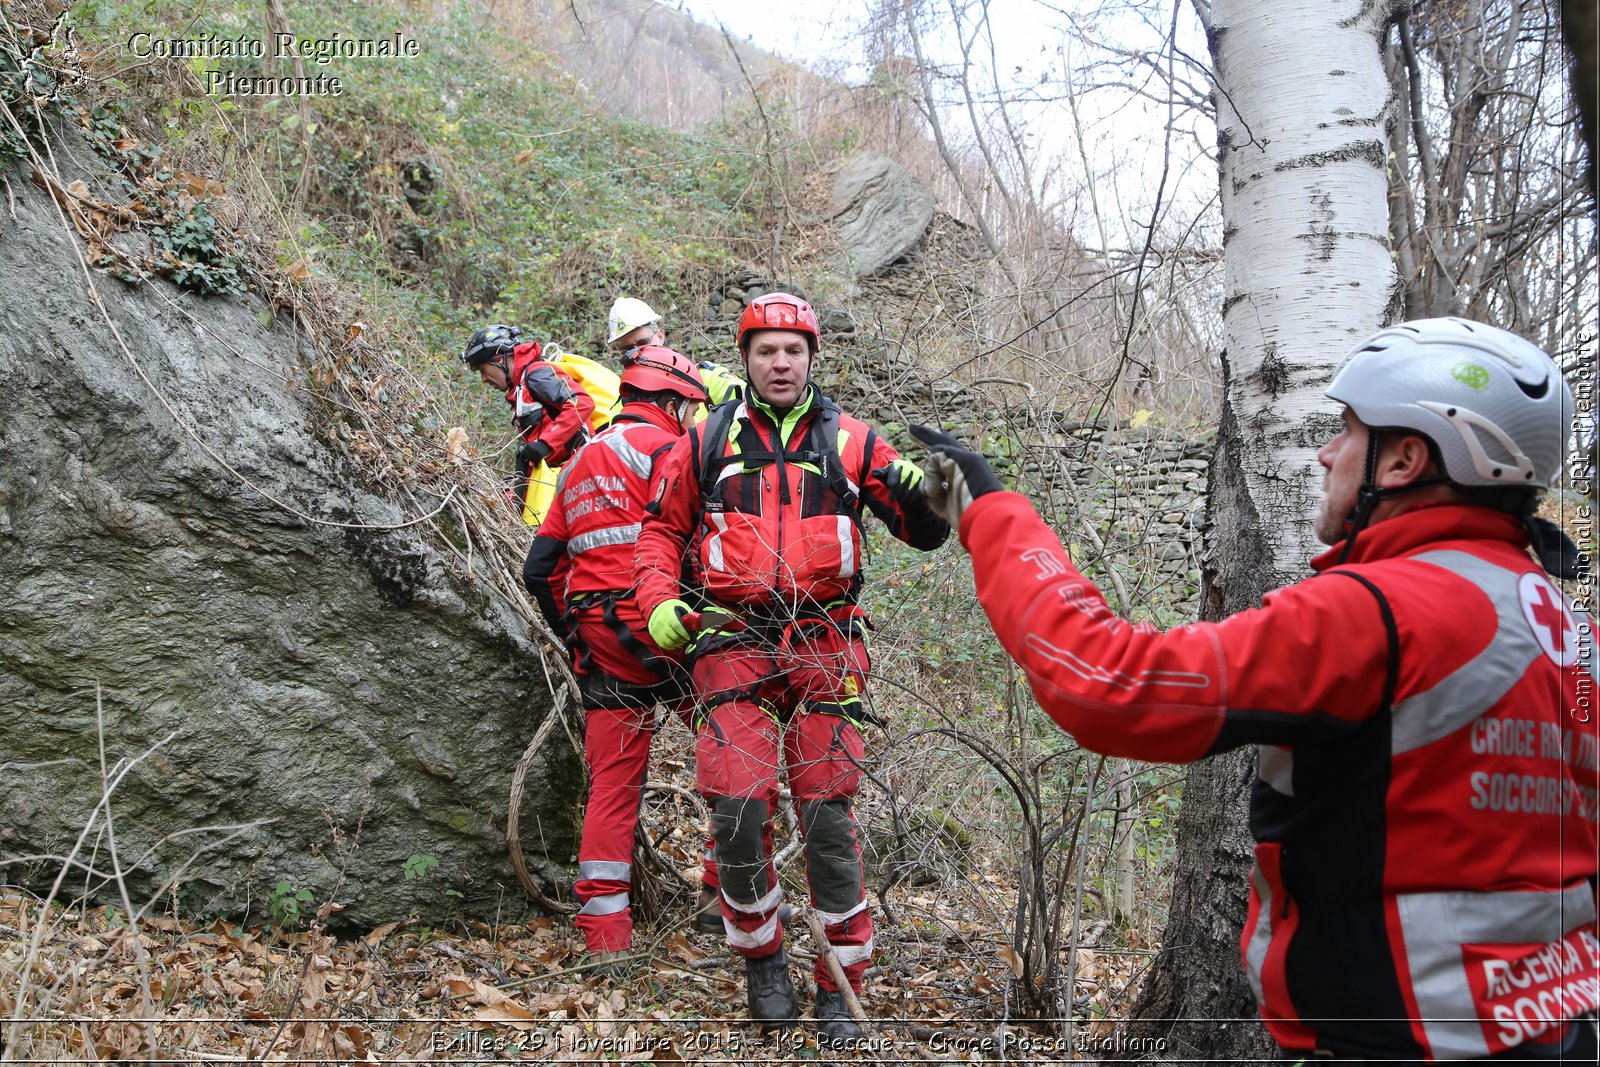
point(666, 625)
point(903, 477)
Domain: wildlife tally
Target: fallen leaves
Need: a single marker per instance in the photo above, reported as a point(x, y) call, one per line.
point(455, 445)
point(373, 938)
point(405, 992)
point(507, 1013)
point(197, 186)
point(95, 221)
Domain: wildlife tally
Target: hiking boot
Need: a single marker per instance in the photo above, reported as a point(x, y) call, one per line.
point(612, 964)
point(835, 1025)
point(770, 993)
point(708, 913)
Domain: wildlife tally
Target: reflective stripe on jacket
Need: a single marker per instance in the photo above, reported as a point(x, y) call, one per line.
point(600, 498)
point(1428, 790)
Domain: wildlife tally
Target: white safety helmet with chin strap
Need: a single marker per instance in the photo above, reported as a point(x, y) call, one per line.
point(627, 315)
point(1496, 407)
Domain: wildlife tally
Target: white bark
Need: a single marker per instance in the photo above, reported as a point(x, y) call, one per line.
point(1302, 103)
point(1301, 109)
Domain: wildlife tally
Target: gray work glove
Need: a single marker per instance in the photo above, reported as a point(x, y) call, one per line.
point(956, 475)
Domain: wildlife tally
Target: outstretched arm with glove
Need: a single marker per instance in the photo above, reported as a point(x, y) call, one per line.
point(1131, 690)
point(954, 475)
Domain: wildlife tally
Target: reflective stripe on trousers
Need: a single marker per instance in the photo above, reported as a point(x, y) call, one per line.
point(595, 869)
point(609, 904)
point(751, 940)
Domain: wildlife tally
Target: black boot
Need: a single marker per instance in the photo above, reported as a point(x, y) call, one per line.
point(835, 1025)
point(708, 913)
point(770, 993)
point(612, 964)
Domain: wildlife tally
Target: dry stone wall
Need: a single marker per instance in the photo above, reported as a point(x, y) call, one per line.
point(1145, 491)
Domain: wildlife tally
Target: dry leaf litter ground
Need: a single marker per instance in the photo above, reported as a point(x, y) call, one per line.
point(80, 985)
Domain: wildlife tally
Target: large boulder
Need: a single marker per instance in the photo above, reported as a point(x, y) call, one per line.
point(880, 210)
point(283, 705)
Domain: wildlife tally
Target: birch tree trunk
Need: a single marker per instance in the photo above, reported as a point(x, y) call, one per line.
point(1580, 26)
point(1302, 104)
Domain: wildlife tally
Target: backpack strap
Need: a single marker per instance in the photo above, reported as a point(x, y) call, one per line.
point(867, 448)
point(825, 443)
point(822, 447)
point(712, 439)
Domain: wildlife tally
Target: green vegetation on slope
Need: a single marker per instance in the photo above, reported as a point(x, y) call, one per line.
point(466, 183)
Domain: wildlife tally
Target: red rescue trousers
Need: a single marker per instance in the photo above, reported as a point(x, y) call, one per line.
point(751, 729)
point(619, 695)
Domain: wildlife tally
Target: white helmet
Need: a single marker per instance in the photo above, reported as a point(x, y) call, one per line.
point(1496, 405)
point(627, 315)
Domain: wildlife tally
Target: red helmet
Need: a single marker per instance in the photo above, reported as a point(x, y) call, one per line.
point(778, 311)
point(658, 369)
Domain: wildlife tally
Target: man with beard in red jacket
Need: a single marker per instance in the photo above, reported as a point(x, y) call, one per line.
point(1427, 788)
point(549, 407)
point(766, 498)
point(580, 571)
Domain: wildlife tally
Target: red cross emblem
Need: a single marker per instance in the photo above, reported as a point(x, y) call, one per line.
point(1552, 623)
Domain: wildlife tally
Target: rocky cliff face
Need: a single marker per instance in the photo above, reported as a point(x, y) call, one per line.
point(880, 209)
point(283, 701)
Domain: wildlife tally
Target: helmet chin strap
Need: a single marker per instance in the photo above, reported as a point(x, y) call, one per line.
point(1557, 554)
point(681, 411)
point(1371, 495)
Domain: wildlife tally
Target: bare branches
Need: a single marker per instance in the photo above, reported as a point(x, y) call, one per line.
point(1486, 204)
point(930, 111)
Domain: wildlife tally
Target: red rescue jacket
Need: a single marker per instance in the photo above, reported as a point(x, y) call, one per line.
point(1428, 790)
point(594, 522)
point(547, 403)
point(774, 512)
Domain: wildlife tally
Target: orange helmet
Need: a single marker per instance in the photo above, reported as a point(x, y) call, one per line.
point(658, 369)
point(778, 311)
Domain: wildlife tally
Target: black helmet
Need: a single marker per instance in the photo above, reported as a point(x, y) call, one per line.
point(489, 342)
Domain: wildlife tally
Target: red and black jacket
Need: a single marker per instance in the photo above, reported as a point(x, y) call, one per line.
point(1428, 788)
point(771, 506)
point(547, 404)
